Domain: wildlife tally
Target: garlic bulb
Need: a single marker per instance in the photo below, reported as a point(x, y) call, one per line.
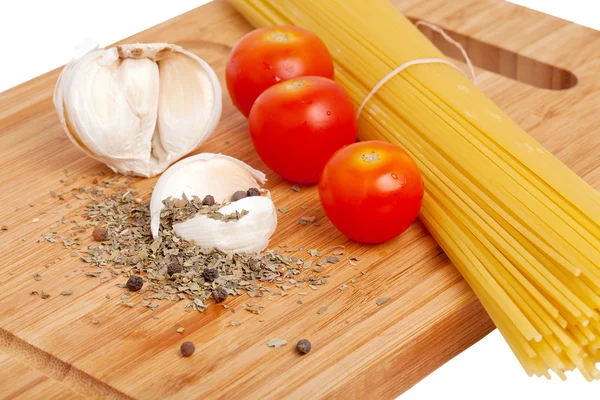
point(138, 108)
point(220, 176)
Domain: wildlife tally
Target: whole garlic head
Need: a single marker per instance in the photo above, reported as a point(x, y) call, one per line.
point(138, 108)
point(220, 176)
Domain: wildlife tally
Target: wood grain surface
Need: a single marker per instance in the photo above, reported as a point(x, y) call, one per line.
point(360, 349)
point(22, 382)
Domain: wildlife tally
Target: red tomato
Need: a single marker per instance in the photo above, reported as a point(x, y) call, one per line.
point(267, 56)
point(298, 124)
point(371, 191)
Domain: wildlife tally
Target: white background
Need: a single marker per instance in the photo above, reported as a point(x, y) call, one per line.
point(37, 36)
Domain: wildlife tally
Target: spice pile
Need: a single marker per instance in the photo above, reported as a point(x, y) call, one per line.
point(174, 269)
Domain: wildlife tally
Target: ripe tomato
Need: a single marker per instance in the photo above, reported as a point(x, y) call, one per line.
point(371, 191)
point(270, 55)
point(297, 125)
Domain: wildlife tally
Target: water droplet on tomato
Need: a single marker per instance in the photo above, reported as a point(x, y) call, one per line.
point(394, 176)
point(277, 79)
point(328, 112)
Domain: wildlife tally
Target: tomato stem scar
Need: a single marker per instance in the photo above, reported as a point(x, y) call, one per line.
point(370, 157)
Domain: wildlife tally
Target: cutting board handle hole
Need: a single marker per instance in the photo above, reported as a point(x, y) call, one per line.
point(502, 62)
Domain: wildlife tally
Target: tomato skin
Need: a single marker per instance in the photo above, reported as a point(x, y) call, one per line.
point(267, 56)
point(371, 201)
point(297, 125)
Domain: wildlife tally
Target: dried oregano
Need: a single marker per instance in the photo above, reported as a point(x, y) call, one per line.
point(175, 269)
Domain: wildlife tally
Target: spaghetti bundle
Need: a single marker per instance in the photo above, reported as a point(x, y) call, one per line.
point(520, 226)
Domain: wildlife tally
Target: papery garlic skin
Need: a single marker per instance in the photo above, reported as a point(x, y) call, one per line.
point(138, 108)
point(219, 176)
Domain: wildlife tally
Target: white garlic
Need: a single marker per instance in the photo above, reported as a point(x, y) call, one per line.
point(138, 108)
point(219, 176)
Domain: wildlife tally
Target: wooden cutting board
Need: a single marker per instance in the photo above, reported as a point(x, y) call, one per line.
point(360, 349)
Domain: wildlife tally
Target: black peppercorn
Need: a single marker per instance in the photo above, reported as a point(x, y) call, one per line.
point(173, 268)
point(219, 294)
point(135, 283)
point(303, 346)
point(253, 192)
point(187, 349)
point(240, 194)
point(208, 200)
point(100, 234)
point(210, 274)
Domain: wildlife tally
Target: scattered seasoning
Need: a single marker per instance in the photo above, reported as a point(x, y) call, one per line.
point(220, 294)
point(253, 192)
point(131, 250)
point(343, 287)
point(95, 321)
point(173, 268)
point(210, 275)
point(208, 200)
point(306, 220)
point(332, 259)
point(100, 234)
point(303, 346)
point(261, 320)
point(295, 188)
point(74, 254)
point(35, 220)
point(180, 330)
point(135, 283)
point(276, 343)
point(187, 349)
point(314, 252)
point(37, 277)
point(322, 310)
point(283, 210)
point(31, 204)
point(353, 261)
point(67, 292)
point(382, 300)
point(44, 295)
point(240, 194)
point(299, 302)
point(4, 227)
point(304, 207)
point(234, 323)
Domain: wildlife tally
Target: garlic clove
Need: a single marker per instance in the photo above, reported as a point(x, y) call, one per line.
point(219, 176)
point(109, 103)
point(183, 122)
point(112, 108)
point(250, 234)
